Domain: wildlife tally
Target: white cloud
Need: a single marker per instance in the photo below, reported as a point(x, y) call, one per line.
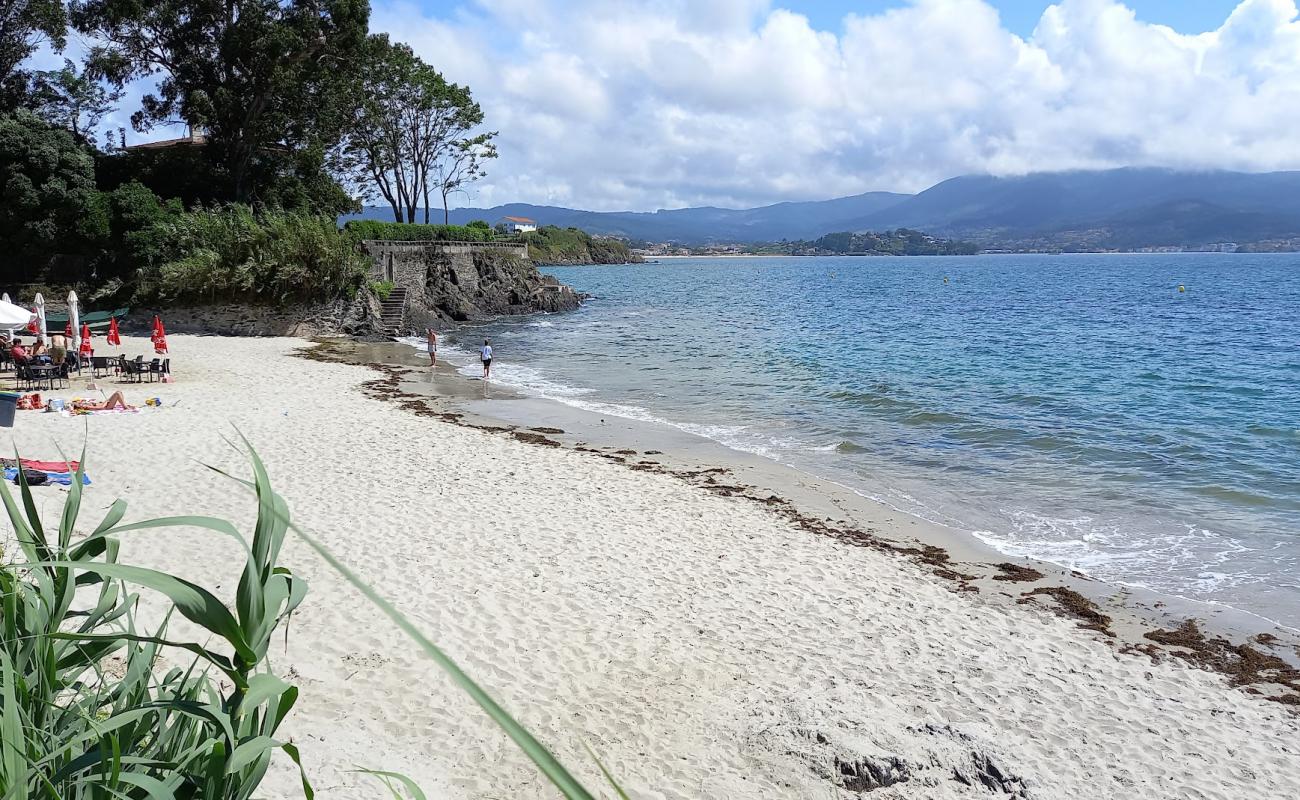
point(643, 104)
point(617, 104)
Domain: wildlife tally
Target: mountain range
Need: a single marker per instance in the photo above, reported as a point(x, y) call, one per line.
point(1108, 209)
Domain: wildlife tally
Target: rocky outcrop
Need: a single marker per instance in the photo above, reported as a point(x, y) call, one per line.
point(443, 285)
point(458, 284)
point(358, 317)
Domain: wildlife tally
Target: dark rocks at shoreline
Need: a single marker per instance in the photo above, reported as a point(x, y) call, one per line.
point(446, 286)
point(357, 317)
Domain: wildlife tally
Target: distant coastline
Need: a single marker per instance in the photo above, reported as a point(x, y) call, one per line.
point(1118, 210)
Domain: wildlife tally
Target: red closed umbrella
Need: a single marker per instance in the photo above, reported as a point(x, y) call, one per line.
point(86, 350)
point(67, 329)
point(159, 337)
point(34, 326)
point(114, 337)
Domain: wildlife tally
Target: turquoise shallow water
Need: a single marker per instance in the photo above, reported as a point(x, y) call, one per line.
point(1074, 408)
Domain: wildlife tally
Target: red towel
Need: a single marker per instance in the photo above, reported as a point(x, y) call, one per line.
point(51, 466)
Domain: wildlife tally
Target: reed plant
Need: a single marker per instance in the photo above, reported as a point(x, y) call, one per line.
point(88, 708)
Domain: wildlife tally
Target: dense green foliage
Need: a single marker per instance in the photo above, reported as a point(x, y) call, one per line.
point(230, 253)
point(363, 229)
point(47, 189)
point(901, 242)
point(137, 230)
point(271, 83)
point(552, 245)
point(73, 730)
point(289, 97)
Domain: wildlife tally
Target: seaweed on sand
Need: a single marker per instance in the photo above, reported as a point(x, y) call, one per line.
point(1070, 603)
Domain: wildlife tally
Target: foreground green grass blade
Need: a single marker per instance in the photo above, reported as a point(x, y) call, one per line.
point(603, 771)
point(569, 786)
point(535, 750)
point(413, 791)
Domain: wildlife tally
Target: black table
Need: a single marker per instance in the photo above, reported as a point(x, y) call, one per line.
point(43, 374)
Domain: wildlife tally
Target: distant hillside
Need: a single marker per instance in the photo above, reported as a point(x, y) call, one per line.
point(688, 225)
point(1110, 209)
point(1124, 208)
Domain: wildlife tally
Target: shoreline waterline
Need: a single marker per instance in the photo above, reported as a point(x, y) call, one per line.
point(455, 387)
point(1078, 409)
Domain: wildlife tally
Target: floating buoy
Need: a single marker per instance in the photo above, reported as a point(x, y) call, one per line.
point(945, 279)
point(1182, 288)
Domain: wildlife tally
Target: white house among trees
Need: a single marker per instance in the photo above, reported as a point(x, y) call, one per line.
point(517, 224)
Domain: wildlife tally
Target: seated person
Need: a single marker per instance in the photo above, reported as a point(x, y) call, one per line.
point(115, 402)
point(19, 353)
point(40, 353)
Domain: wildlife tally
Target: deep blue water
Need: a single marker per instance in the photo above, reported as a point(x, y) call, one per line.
point(1075, 408)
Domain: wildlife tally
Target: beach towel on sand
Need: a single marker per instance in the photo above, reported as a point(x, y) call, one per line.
point(63, 478)
point(43, 466)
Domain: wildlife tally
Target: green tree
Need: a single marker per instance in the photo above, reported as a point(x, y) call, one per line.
point(24, 26)
point(269, 81)
point(137, 233)
point(71, 100)
point(462, 164)
point(409, 121)
point(47, 192)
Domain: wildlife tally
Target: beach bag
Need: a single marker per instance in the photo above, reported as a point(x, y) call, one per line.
point(34, 477)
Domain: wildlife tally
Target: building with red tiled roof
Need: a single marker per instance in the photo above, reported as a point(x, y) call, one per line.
point(517, 224)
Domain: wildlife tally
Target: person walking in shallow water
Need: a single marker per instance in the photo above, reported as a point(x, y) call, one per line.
point(432, 336)
point(487, 359)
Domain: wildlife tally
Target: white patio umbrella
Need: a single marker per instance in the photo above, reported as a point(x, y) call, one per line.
point(75, 318)
point(12, 316)
point(5, 301)
point(40, 316)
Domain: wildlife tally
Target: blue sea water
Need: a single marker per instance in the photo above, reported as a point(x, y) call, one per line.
point(1075, 408)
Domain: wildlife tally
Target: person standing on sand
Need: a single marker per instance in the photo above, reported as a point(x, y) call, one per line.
point(487, 359)
point(432, 336)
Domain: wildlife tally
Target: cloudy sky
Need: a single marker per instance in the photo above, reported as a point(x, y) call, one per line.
point(645, 104)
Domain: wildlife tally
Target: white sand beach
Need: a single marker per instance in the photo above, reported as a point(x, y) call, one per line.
point(703, 646)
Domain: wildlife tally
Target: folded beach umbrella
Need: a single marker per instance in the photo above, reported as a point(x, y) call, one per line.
point(33, 325)
point(74, 307)
point(85, 349)
point(41, 329)
point(67, 329)
point(159, 336)
point(114, 336)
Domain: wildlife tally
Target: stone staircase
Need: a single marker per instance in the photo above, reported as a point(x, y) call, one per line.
point(393, 311)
